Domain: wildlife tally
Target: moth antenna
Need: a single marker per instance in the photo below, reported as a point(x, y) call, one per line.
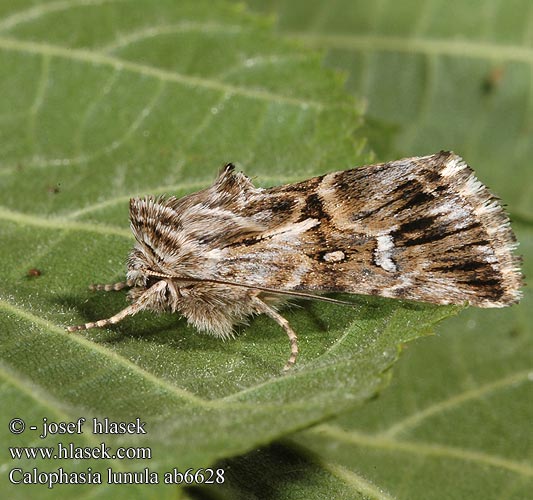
point(281, 321)
point(115, 287)
point(134, 308)
point(273, 291)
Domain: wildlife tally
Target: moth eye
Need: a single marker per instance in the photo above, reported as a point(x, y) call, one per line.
point(151, 280)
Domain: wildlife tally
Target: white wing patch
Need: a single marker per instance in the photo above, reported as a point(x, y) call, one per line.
point(383, 253)
point(336, 256)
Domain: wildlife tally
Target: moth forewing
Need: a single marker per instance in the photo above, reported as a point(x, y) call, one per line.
point(421, 228)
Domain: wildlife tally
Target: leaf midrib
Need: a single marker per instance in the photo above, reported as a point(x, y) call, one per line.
point(418, 45)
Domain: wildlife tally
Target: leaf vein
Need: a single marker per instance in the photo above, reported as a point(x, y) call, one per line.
point(124, 40)
point(98, 58)
point(424, 449)
point(356, 481)
point(41, 10)
point(419, 45)
point(456, 400)
point(180, 393)
point(61, 223)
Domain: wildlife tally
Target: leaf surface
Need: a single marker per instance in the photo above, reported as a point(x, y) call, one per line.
point(105, 100)
point(435, 75)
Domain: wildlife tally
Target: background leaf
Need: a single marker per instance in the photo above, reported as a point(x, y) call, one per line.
point(104, 100)
point(455, 422)
point(442, 74)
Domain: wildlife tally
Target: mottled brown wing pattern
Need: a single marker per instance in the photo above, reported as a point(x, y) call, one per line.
point(420, 228)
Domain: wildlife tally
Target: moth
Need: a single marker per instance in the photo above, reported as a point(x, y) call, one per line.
point(421, 228)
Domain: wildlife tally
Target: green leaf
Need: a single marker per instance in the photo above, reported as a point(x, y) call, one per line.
point(444, 74)
point(287, 471)
point(104, 100)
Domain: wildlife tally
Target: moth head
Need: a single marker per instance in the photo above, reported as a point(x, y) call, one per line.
point(163, 245)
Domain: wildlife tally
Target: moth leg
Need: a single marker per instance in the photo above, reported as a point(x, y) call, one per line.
point(281, 321)
point(112, 287)
point(146, 298)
